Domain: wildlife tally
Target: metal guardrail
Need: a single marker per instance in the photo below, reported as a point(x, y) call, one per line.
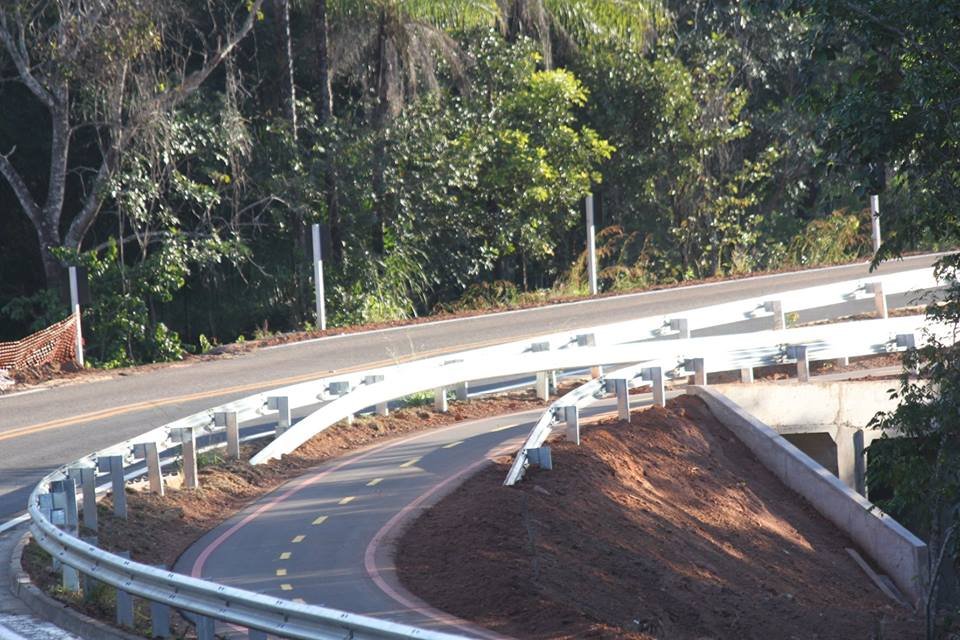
point(730, 353)
point(347, 394)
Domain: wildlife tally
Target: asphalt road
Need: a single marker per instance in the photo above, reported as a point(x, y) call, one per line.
point(325, 537)
point(46, 428)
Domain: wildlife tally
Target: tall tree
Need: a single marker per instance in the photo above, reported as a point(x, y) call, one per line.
point(106, 69)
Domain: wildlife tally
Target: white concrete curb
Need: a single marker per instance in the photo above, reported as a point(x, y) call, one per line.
point(897, 551)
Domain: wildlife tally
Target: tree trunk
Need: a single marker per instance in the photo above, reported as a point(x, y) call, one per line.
point(283, 11)
point(325, 112)
point(380, 116)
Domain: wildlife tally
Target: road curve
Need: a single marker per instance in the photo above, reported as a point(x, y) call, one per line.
point(43, 429)
point(325, 537)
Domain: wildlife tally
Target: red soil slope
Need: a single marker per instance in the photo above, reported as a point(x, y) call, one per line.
point(664, 528)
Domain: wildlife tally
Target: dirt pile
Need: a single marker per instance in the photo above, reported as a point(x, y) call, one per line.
point(663, 528)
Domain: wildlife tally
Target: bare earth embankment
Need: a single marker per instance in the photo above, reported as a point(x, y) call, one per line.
point(664, 528)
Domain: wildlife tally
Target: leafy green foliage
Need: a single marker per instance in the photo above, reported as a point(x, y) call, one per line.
point(921, 467)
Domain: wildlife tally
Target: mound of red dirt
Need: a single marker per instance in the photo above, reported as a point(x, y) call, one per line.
point(664, 528)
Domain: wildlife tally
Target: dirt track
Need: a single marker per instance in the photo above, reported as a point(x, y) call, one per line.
point(666, 528)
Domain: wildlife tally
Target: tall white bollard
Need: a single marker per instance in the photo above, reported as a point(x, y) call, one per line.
point(75, 308)
point(875, 221)
point(591, 246)
point(318, 278)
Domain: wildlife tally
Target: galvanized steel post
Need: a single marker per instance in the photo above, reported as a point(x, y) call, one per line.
point(114, 466)
point(229, 420)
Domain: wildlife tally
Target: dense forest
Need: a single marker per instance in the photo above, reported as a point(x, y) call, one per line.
point(180, 150)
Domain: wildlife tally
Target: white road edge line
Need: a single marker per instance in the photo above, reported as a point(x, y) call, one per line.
point(703, 285)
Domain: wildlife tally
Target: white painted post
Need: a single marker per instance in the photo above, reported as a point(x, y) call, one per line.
point(572, 417)
point(440, 399)
point(875, 221)
point(591, 246)
point(318, 278)
point(75, 308)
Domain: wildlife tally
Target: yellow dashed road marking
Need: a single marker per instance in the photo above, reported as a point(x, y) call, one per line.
point(452, 444)
point(285, 555)
point(374, 482)
point(297, 539)
point(347, 500)
point(320, 520)
point(281, 573)
point(503, 428)
point(286, 587)
point(410, 463)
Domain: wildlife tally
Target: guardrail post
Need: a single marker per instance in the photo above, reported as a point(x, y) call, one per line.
point(151, 455)
point(541, 457)
point(681, 326)
point(776, 308)
point(256, 634)
point(572, 417)
point(746, 375)
point(462, 389)
point(229, 420)
point(655, 376)
point(65, 498)
point(799, 353)
point(879, 300)
point(382, 409)
point(124, 601)
point(205, 627)
point(590, 340)
point(908, 341)
point(281, 404)
point(87, 582)
point(543, 385)
point(340, 388)
point(86, 476)
point(188, 442)
point(159, 618)
point(114, 466)
point(622, 389)
point(440, 399)
point(543, 377)
point(699, 367)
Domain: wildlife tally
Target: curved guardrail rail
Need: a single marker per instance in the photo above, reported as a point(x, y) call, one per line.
point(343, 395)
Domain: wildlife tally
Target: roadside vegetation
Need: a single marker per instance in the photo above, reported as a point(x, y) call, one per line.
point(445, 146)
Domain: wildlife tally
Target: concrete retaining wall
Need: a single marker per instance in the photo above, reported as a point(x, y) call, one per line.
point(828, 404)
point(898, 552)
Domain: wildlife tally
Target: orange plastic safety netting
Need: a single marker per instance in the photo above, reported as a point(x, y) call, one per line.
point(53, 345)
